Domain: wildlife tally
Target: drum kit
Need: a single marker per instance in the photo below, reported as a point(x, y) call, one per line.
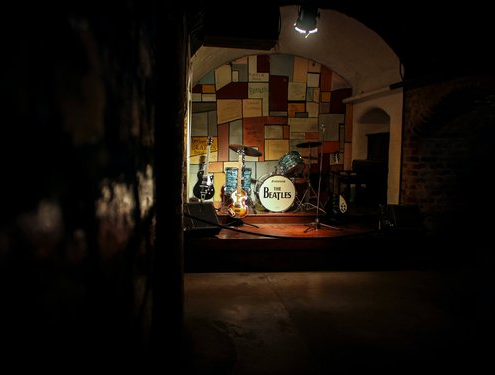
point(276, 191)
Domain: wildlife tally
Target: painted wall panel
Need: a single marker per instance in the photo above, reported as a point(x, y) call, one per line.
point(278, 93)
point(297, 91)
point(260, 90)
point(252, 108)
point(223, 76)
point(228, 110)
point(300, 69)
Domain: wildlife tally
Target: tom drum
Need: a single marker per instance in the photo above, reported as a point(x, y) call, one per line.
point(291, 164)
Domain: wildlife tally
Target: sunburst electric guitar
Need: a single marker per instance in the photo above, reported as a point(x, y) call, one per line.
point(238, 207)
point(204, 189)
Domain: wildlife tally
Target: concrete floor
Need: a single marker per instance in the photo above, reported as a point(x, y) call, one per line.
point(406, 321)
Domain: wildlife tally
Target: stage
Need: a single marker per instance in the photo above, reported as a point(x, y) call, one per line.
point(277, 241)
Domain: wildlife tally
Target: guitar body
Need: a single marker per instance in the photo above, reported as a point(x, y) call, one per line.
point(238, 208)
point(204, 189)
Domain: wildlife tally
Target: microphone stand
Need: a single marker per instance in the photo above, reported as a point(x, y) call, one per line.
point(316, 224)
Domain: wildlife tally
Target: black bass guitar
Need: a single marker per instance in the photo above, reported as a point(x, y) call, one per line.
point(204, 189)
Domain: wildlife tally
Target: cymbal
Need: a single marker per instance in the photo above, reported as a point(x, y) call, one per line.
point(248, 151)
point(308, 144)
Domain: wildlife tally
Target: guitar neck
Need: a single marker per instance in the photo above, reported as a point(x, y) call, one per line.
point(239, 175)
point(207, 159)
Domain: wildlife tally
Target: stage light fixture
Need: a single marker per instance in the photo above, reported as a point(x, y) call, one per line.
point(306, 20)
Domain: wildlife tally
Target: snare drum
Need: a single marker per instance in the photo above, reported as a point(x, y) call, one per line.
point(291, 164)
point(231, 180)
point(275, 192)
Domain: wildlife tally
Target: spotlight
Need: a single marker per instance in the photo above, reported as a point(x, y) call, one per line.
point(306, 20)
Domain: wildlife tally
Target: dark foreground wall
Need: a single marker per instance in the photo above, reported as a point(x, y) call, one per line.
point(78, 182)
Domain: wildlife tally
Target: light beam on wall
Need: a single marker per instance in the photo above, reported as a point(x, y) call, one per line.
point(306, 22)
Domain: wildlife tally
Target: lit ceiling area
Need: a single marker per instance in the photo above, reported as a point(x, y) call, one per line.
point(343, 44)
point(370, 44)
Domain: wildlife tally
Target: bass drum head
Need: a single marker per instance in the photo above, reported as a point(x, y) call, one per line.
point(276, 192)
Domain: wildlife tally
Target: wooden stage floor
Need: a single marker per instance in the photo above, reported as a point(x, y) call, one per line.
point(275, 240)
point(288, 226)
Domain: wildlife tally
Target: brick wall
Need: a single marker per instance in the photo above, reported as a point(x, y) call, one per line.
point(447, 148)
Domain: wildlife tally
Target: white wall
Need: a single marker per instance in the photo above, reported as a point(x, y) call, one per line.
point(391, 103)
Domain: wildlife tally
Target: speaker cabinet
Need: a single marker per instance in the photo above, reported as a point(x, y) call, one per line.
point(200, 219)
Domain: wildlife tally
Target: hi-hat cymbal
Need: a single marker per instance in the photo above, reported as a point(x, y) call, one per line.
point(248, 151)
point(308, 144)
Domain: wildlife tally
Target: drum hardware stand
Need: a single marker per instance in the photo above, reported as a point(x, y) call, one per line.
point(316, 224)
point(310, 192)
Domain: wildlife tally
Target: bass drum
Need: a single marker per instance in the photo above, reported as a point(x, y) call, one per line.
point(275, 192)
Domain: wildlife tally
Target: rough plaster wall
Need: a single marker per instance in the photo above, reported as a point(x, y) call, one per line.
point(77, 209)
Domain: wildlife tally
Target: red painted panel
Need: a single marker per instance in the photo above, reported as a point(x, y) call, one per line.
point(312, 136)
point(276, 120)
point(286, 132)
point(336, 105)
point(324, 107)
point(233, 90)
point(330, 147)
point(325, 79)
point(223, 142)
point(263, 64)
point(279, 93)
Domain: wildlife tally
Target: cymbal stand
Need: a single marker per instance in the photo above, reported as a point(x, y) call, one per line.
point(316, 224)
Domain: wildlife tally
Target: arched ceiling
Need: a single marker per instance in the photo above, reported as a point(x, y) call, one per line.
point(342, 44)
point(363, 41)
